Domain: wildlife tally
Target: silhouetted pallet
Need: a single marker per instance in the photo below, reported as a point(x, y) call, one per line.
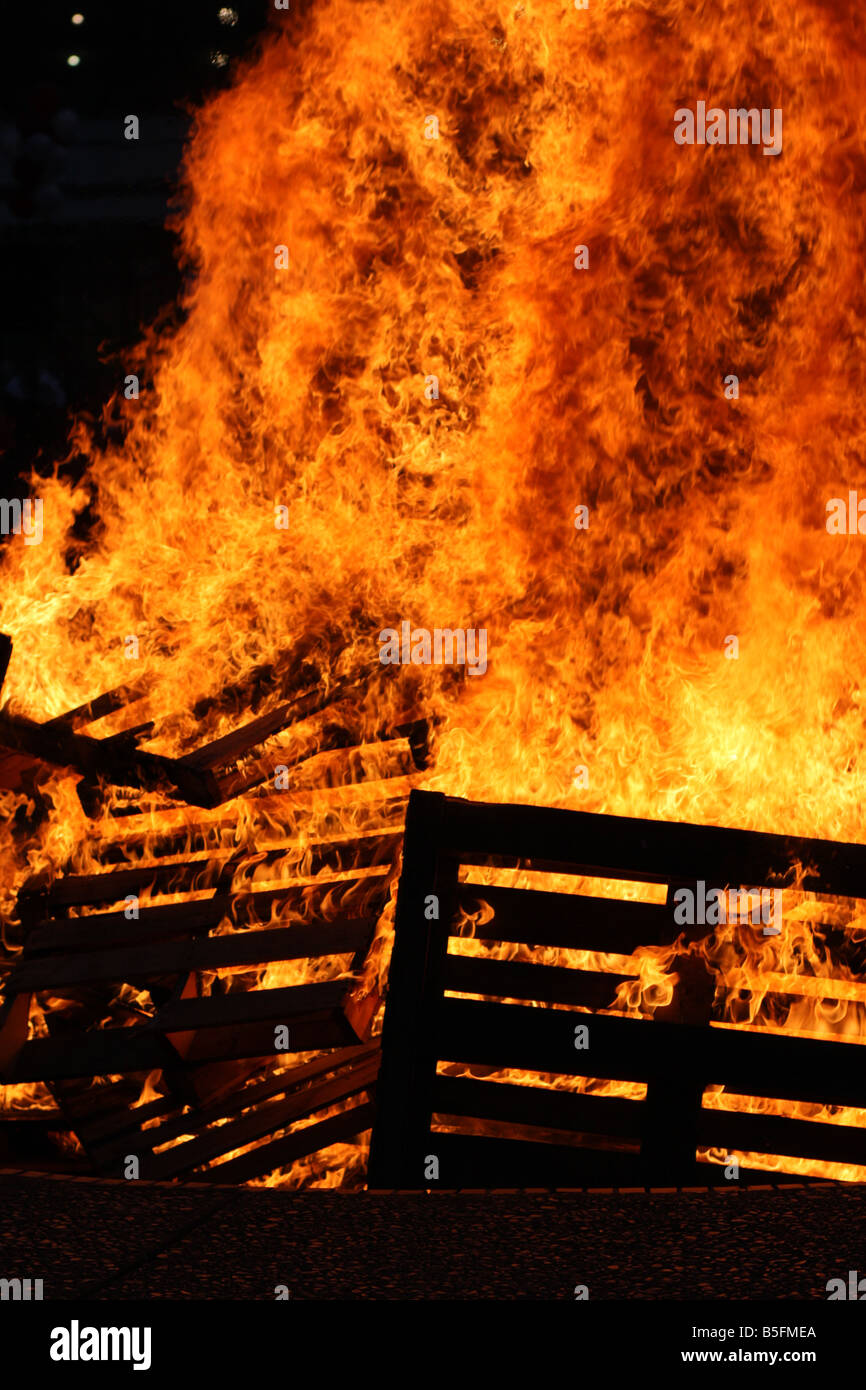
point(61, 955)
point(215, 1055)
point(485, 1133)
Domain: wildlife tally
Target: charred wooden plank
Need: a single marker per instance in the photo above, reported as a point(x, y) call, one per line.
point(196, 875)
point(30, 749)
point(225, 1031)
point(328, 729)
point(98, 1053)
point(109, 1142)
point(153, 924)
point(222, 751)
point(76, 890)
point(120, 1120)
point(50, 1118)
point(282, 1152)
point(536, 1105)
point(568, 921)
point(290, 672)
point(778, 1134)
point(468, 1161)
point(243, 948)
point(213, 1028)
point(472, 1161)
point(171, 920)
point(323, 733)
point(108, 703)
point(309, 1032)
point(624, 1049)
point(522, 980)
point(272, 1115)
point(284, 1082)
point(552, 840)
point(383, 811)
point(248, 1006)
point(115, 760)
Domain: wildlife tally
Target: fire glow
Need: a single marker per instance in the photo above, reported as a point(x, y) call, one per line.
point(304, 387)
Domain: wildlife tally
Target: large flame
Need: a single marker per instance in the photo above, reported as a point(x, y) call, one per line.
point(446, 249)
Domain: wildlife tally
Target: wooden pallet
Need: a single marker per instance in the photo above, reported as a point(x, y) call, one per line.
point(423, 1114)
point(214, 1054)
point(310, 887)
point(61, 954)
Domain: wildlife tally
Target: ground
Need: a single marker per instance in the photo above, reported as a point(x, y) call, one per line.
point(114, 1240)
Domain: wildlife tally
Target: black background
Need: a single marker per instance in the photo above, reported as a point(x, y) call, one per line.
point(86, 258)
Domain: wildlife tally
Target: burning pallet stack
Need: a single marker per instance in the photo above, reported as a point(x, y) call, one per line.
point(207, 988)
point(149, 971)
point(480, 1050)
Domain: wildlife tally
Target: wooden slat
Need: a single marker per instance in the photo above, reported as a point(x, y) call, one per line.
point(569, 921)
point(248, 1006)
point(483, 1162)
point(78, 890)
point(98, 1053)
point(286, 1082)
point(243, 948)
point(70, 934)
point(290, 1080)
point(521, 980)
point(50, 1119)
point(222, 751)
point(121, 1120)
point(115, 760)
point(275, 1114)
point(325, 1028)
point(282, 1152)
point(292, 672)
point(309, 743)
point(779, 1134)
point(653, 851)
point(386, 810)
point(92, 1102)
point(108, 929)
point(535, 1105)
point(139, 1050)
point(365, 851)
point(223, 1027)
point(513, 1035)
point(311, 735)
point(108, 703)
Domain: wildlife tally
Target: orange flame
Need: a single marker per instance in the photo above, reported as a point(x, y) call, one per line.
point(417, 249)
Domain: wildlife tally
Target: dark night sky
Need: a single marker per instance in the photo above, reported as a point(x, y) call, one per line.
point(151, 53)
point(86, 258)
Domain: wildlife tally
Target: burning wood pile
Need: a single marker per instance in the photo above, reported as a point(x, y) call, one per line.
point(151, 972)
point(475, 345)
